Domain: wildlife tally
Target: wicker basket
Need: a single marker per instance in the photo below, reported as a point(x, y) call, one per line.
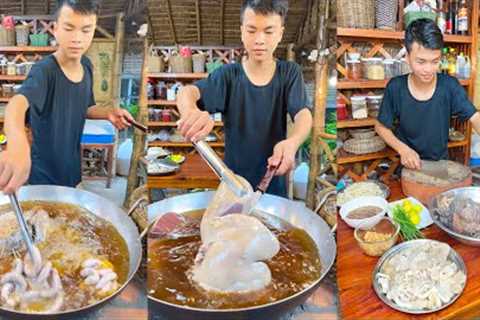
point(356, 14)
point(363, 146)
point(386, 14)
point(155, 63)
point(179, 64)
point(199, 60)
point(362, 133)
point(22, 32)
point(7, 37)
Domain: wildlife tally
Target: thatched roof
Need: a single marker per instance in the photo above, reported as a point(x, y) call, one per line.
point(210, 22)
point(133, 9)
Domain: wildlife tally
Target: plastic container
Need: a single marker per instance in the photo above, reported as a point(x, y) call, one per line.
point(7, 89)
point(11, 68)
point(359, 107)
point(21, 69)
point(390, 68)
point(404, 68)
point(342, 113)
point(373, 105)
point(375, 70)
point(354, 70)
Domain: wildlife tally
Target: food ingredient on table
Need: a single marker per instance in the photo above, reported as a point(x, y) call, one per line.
point(421, 277)
point(359, 189)
point(364, 212)
point(373, 236)
point(408, 228)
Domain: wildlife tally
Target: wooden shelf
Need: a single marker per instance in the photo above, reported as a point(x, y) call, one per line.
point(161, 102)
point(4, 99)
point(173, 76)
point(28, 49)
point(355, 123)
point(173, 124)
point(12, 78)
point(345, 157)
point(181, 144)
point(393, 35)
point(375, 84)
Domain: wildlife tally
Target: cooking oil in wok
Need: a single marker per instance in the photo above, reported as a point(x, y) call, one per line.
point(294, 268)
point(74, 235)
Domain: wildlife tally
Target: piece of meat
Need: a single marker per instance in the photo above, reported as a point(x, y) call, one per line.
point(466, 217)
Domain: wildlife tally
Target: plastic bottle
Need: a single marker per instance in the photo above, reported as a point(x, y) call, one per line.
point(460, 66)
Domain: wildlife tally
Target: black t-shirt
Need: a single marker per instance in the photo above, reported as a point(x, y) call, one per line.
point(56, 114)
point(424, 125)
point(254, 116)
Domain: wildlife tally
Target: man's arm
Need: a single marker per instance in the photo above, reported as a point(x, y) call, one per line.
point(117, 116)
point(15, 162)
point(475, 121)
point(194, 124)
point(284, 151)
point(408, 156)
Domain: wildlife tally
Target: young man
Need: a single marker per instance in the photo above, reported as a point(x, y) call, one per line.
point(55, 100)
point(423, 101)
point(254, 97)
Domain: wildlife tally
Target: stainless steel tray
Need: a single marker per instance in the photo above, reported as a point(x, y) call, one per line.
point(453, 256)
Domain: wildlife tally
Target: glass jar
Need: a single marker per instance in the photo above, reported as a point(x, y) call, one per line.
point(364, 62)
point(373, 105)
point(11, 68)
point(150, 91)
point(3, 68)
point(7, 89)
point(166, 115)
point(342, 113)
point(375, 69)
point(28, 67)
point(354, 70)
point(21, 69)
point(390, 68)
point(359, 107)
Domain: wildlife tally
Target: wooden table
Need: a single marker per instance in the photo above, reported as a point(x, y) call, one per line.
point(354, 277)
point(194, 173)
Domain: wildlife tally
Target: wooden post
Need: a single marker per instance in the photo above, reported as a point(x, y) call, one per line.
point(139, 137)
point(321, 89)
point(117, 64)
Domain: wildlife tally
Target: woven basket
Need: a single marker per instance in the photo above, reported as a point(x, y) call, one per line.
point(22, 32)
point(7, 37)
point(362, 133)
point(155, 63)
point(199, 60)
point(386, 14)
point(356, 14)
point(180, 64)
point(363, 146)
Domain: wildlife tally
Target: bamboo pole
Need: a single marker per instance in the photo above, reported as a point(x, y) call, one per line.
point(139, 137)
point(321, 89)
point(117, 64)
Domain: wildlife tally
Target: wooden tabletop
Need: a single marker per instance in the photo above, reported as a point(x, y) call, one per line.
point(354, 277)
point(194, 173)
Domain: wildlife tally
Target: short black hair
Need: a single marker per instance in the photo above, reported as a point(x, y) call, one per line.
point(426, 33)
point(85, 7)
point(266, 7)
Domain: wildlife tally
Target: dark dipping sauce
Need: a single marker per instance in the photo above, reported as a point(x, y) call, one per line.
point(364, 212)
point(295, 267)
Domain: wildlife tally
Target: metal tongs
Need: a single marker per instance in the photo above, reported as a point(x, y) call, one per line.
point(23, 225)
point(220, 168)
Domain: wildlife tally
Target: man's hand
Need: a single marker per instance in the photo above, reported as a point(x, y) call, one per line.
point(120, 118)
point(410, 158)
point(14, 170)
point(284, 156)
point(195, 125)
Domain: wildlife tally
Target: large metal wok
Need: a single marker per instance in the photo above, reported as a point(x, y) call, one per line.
point(292, 212)
point(100, 207)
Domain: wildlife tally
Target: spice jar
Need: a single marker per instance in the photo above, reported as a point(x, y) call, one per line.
point(7, 89)
point(354, 70)
point(166, 115)
point(11, 68)
point(359, 107)
point(373, 105)
point(375, 69)
point(390, 68)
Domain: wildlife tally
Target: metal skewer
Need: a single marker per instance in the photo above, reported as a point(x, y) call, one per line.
point(23, 225)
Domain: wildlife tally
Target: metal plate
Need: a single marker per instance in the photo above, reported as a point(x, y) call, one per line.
point(453, 256)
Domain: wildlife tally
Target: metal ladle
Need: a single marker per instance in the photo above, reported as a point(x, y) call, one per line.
point(23, 225)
